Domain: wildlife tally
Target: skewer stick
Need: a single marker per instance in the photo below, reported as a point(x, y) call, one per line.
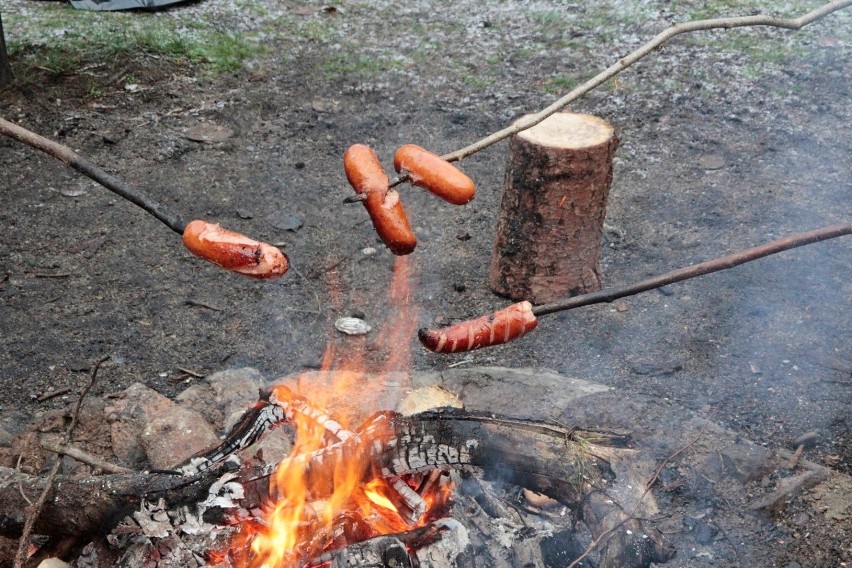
point(473, 334)
point(685, 27)
point(69, 157)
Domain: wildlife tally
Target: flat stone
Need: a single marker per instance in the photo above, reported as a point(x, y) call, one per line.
point(545, 393)
point(209, 133)
point(128, 415)
point(172, 438)
point(234, 390)
point(746, 461)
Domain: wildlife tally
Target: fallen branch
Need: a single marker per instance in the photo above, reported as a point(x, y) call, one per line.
point(69, 157)
point(36, 509)
point(84, 457)
point(622, 64)
point(474, 334)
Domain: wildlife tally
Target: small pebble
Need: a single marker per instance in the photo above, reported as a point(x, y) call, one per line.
point(621, 307)
point(368, 251)
point(808, 439)
point(352, 326)
point(459, 287)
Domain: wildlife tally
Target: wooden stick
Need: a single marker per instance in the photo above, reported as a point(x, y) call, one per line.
point(519, 319)
point(84, 457)
point(686, 27)
point(90, 170)
point(715, 265)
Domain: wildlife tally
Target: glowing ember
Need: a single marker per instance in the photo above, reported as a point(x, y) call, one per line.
point(316, 507)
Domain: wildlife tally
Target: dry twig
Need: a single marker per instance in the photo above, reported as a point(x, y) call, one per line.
point(35, 510)
point(686, 27)
point(631, 515)
point(84, 457)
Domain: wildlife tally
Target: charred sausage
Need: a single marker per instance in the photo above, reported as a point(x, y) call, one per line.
point(234, 251)
point(500, 327)
point(433, 173)
point(368, 178)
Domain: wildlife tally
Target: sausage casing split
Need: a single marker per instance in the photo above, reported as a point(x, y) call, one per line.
point(500, 327)
point(234, 251)
point(433, 173)
point(368, 178)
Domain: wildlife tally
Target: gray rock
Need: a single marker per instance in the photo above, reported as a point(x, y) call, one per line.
point(545, 393)
point(12, 423)
point(234, 390)
point(746, 461)
point(173, 437)
point(128, 414)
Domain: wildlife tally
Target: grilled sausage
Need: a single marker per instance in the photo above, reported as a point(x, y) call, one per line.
point(368, 178)
point(234, 251)
point(500, 327)
point(433, 173)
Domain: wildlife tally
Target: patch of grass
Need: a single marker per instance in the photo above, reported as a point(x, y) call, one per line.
point(61, 39)
point(560, 84)
point(362, 65)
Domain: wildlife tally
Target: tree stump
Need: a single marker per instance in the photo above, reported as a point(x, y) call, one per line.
point(554, 203)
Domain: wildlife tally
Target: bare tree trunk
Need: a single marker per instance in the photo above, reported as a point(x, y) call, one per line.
point(5, 68)
point(554, 202)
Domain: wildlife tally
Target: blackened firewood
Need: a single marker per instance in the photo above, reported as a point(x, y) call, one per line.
point(548, 458)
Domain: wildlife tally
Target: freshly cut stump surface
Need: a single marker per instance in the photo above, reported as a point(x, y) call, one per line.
point(555, 192)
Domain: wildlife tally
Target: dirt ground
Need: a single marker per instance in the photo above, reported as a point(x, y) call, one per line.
point(729, 139)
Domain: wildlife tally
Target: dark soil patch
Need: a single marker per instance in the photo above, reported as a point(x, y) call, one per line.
point(764, 347)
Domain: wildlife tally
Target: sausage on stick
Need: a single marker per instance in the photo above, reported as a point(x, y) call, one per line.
point(500, 327)
point(234, 251)
point(368, 178)
point(433, 173)
point(518, 319)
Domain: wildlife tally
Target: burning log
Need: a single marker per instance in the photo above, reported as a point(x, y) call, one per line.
point(548, 458)
point(554, 203)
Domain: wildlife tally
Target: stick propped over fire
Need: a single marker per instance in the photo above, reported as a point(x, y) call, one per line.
point(519, 319)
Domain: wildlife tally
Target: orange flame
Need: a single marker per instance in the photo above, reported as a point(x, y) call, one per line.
point(306, 501)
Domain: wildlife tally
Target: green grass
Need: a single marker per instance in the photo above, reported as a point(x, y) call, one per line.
point(61, 39)
point(362, 65)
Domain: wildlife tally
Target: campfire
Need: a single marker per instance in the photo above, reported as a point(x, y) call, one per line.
point(384, 492)
point(427, 484)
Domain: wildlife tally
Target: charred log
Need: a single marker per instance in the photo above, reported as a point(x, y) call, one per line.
point(547, 458)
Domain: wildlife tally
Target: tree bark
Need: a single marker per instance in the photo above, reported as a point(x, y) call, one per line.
point(5, 67)
point(555, 193)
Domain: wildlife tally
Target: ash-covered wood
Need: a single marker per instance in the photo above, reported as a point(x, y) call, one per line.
point(548, 458)
point(555, 193)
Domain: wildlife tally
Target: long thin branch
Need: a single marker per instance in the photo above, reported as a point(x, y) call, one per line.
point(90, 170)
point(35, 510)
point(686, 27)
point(715, 265)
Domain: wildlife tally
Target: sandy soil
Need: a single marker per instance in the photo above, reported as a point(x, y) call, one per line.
point(725, 145)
